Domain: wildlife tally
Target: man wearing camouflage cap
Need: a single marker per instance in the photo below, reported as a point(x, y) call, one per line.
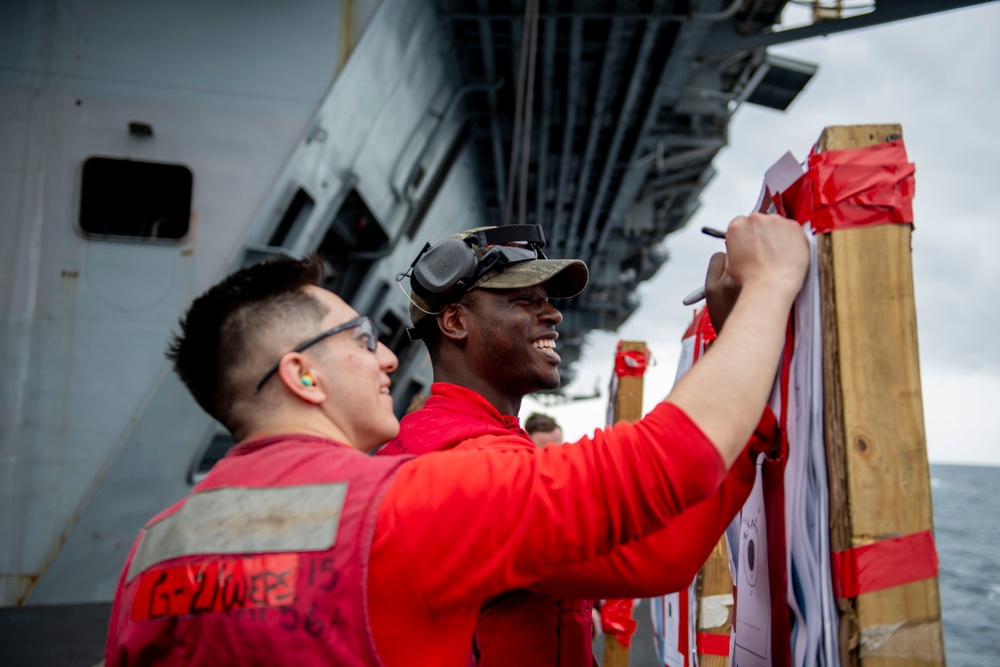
point(480, 302)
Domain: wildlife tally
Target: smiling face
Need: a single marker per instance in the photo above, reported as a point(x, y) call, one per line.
point(354, 379)
point(512, 340)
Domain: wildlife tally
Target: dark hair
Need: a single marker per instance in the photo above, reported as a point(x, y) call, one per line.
point(427, 330)
point(220, 328)
point(427, 327)
point(536, 421)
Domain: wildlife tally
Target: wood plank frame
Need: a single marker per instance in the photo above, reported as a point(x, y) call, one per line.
point(627, 407)
point(874, 424)
point(714, 579)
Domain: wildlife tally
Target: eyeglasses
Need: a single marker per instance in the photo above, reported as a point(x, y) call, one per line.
point(364, 323)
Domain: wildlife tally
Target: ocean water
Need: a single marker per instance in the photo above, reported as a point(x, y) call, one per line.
point(967, 531)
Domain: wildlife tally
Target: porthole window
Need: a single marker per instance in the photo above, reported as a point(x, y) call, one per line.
point(133, 200)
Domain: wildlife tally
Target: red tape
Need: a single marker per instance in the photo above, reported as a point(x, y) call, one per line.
point(706, 333)
point(710, 644)
point(630, 363)
point(703, 331)
point(852, 188)
point(693, 327)
point(617, 621)
point(888, 563)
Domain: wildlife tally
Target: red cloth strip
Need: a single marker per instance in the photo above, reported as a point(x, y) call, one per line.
point(773, 480)
point(706, 332)
point(884, 564)
point(853, 188)
point(693, 327)
point(709, 644)
point(683, 625)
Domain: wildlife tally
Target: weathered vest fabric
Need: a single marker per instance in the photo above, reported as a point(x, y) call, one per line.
point(264, 563)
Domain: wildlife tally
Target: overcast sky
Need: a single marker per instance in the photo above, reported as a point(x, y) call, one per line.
point(938, 76)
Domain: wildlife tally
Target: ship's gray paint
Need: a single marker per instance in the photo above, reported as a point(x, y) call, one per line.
point(92, 316)
point(260, 100)
point(108, 437)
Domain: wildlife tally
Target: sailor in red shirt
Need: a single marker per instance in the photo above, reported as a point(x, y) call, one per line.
point(299, 549)
point(550, 624)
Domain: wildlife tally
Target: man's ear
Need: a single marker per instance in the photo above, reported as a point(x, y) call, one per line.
point(306, 384)
point(452, 322)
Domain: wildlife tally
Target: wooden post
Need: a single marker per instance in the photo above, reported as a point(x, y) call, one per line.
point(874, 423)
point(627, 407)
point(615, 655)
point(714, 579)
point(628, 397)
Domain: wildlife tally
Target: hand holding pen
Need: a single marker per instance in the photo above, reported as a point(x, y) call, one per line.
point(699, 294)
point(767, 247)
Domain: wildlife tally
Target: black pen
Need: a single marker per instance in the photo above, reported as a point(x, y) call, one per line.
point(699, 294)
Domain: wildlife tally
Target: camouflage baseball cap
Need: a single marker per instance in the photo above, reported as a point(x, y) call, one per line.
point(563, 278)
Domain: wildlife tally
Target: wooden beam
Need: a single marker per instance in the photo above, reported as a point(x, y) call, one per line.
point(615, 655)
point(627, 407)
point(874, 423)
point(628, 396)
point(714, 579)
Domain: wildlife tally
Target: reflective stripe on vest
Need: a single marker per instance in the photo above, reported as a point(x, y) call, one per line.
point(245, 521)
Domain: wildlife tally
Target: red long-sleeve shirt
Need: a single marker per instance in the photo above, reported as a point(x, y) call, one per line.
point(522, 628)
point(457, 528)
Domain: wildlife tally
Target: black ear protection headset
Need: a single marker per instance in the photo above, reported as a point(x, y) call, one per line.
point(441, 273)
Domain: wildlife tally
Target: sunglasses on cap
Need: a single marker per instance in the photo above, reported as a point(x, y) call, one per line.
point(442, 272)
